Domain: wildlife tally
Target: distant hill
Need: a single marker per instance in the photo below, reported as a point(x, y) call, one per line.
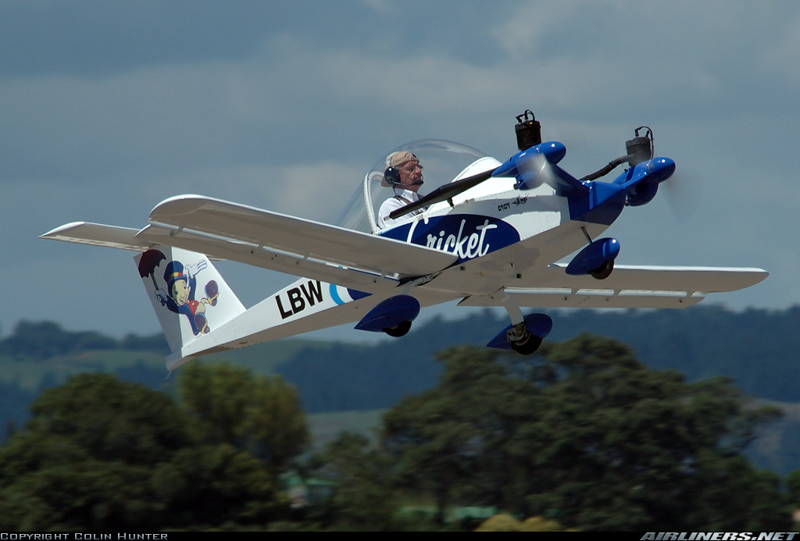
point(759, 349)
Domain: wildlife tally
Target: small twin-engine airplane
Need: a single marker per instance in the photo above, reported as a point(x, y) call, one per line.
point(489, 234)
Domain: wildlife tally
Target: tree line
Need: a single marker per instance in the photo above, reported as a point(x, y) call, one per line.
point(43, 340)
point(581, 436)
point(757, 348)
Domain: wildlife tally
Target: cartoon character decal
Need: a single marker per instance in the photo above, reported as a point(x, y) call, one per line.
point(181, 284)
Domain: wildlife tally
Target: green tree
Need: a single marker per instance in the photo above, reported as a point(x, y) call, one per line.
point(584, 434)
point(621, 446)
point(793, 488)
point(362, 495)
point(258, 414)
point(100, 454)
point(453, 442)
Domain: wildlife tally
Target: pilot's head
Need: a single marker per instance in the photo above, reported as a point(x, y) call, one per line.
point(403, 170)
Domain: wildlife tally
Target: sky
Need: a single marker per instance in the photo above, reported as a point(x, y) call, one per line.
point(107, 108)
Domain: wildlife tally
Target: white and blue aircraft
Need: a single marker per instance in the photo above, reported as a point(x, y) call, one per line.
point(486, 233)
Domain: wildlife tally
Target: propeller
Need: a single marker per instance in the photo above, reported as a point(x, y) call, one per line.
point(682, 195)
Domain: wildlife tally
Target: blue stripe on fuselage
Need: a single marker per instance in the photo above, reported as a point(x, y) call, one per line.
point(354, 294)
point(335, 295)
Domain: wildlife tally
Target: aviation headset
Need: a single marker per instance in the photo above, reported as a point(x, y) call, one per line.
point(391, 176)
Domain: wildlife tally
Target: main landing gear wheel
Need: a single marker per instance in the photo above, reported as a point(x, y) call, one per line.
point(603, 271)
point(401, 329)
point(521, 339)
point(527, 346)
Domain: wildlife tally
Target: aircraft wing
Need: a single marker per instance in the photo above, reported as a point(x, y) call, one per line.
point(628, 287)
point(216, 248)
point(109, 236)
point(286, 243)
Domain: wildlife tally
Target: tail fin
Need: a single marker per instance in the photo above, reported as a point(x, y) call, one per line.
point(189, 296)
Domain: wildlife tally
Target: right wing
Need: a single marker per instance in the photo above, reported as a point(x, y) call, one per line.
point(629, 286)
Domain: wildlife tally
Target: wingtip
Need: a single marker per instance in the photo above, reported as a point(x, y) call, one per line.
point(57, 232)
point(177, 204)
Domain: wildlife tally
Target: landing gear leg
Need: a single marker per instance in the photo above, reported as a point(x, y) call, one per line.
point(519, 336)
point(525, 334)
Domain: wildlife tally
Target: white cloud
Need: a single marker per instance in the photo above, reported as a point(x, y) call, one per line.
point(781, 58)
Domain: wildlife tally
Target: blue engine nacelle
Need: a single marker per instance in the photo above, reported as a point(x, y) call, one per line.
point(642, 193)
point(594, 257)
point(392, 316)
point(640, 182)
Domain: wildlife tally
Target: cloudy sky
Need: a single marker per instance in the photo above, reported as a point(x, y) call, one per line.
point(107, 108)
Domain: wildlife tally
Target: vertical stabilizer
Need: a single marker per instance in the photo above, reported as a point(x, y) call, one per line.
point(188, 294)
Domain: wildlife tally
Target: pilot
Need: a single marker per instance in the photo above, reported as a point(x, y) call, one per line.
point(404, 175)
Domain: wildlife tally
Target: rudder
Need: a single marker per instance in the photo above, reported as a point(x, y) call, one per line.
point(188, 294)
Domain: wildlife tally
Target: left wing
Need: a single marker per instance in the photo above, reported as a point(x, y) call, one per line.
point(628, 286)
point(286, 243)
point(289, 263)
point(225, 230)
point(109, 236)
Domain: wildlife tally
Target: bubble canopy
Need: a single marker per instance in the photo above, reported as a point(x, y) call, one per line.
point(442, 162)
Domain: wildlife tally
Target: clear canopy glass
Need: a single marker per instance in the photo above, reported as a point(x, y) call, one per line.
point(442, 162)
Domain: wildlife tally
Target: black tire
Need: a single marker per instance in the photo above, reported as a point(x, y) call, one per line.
point(527, 346)
point(401, 329)
point(603, 271)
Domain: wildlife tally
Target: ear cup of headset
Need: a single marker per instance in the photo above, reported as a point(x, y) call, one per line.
point(391, 176)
